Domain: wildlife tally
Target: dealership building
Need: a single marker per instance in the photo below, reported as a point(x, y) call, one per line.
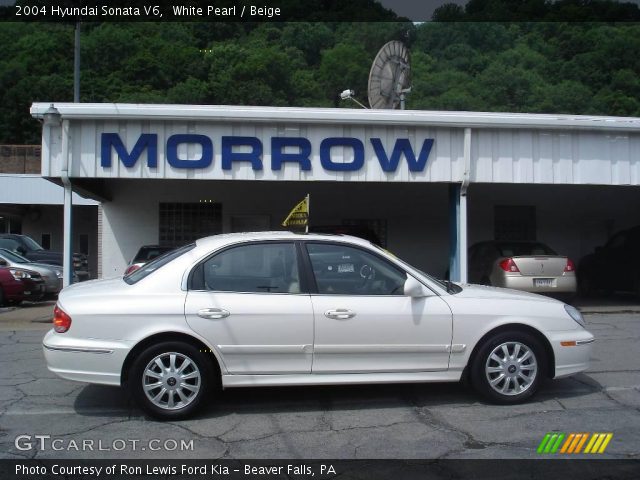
point(429, 184)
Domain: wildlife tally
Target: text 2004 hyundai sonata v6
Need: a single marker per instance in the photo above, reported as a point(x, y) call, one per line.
point(281, 308)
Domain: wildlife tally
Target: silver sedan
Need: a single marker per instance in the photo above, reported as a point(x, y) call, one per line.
point(51, 274)
point(528, 266)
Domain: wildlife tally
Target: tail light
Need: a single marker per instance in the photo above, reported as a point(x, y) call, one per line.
point(570, 266)
point(508, 265)
point(131, 269)
point(61, 320)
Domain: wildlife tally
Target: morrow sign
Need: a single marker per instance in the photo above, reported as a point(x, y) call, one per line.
point(253, 149)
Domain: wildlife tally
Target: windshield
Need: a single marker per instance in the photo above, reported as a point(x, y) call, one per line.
point(31, 243)
point(155, 264)
point(12, 257)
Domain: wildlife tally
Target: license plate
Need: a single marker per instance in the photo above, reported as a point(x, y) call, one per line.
point(543, 282)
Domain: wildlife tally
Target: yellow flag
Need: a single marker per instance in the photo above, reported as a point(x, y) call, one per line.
point(299, 216)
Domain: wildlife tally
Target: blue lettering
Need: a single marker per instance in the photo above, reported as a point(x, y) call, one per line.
point(147, 141)
point(229, 156)
point(278, 157)
point(172, 151)
point(325, 154)
point(402, 146)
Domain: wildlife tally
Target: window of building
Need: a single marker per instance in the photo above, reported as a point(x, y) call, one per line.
point(45, 241)
point(376, 225)
point(84, 243)
point(182, 223)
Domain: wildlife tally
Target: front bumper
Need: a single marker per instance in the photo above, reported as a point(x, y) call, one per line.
point(84, 360)
point(572, 351)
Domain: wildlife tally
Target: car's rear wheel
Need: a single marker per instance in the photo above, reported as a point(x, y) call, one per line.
point(509, 367)
point(170, 380)
point(1, 297)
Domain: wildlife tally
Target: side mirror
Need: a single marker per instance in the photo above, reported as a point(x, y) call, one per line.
point(21, 251)
point(413, 288)
point(3, 263)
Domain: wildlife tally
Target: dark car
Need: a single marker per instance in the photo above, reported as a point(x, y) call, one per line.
point(614, 267)
point(11, 289)
point(30, 249)
point(146, 254)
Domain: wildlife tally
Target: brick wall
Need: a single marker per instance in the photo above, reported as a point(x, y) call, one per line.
point(20, 158)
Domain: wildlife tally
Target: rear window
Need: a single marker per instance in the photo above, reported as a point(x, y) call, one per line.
point(146, 254)
point(518, 249)
point(156, 263)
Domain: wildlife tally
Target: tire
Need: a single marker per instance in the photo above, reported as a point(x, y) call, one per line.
point(198, 377)
point(485, 367)
point(1, 297)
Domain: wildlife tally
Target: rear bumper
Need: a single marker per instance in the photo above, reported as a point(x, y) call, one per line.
point(575, 355)
point(562, 284)
point(84, 360)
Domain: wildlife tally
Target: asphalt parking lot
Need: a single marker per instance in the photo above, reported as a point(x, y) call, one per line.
point(42, 416)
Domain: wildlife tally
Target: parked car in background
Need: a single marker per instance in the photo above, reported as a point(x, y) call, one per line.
point(32, 282)
point(280, 308)
point(528, 266)
point(145, 254)
point(30, 249)
point(614, 266)
point(11, 289)
point(51, 274)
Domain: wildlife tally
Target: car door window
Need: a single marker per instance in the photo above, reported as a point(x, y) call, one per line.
point(343, 270)
point(255, 268)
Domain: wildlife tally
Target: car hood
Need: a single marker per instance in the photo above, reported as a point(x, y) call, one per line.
point(483, 291)
point(47, 266)
point(45, 256)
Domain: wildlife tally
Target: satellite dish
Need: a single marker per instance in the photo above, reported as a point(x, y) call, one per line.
point(390, 79)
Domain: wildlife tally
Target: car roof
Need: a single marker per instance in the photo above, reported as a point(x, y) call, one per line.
point(230, 238)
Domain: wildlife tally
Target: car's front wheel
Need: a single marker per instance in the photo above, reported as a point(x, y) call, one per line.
point(169, 380)
point(509, 367)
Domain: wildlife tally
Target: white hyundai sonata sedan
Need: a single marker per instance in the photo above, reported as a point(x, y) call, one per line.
point(279, 308)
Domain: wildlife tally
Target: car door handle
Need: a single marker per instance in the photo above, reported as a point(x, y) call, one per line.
point(340, 314)
point(213, 313)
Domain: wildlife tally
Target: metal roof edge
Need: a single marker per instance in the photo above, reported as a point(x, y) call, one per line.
point(228, 113)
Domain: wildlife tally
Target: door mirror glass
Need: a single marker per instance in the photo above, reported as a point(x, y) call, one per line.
point(413, 288)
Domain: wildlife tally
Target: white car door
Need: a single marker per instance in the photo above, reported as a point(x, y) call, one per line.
point(363, 321)
point(247, 301)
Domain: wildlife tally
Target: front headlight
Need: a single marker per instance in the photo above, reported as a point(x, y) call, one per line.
point(59, 273)
point(575, 314)
point(19, 274)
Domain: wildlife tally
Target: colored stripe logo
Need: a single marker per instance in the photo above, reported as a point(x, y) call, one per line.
point(572, 443)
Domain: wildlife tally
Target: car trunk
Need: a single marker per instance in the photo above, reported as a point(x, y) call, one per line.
point(541, 265)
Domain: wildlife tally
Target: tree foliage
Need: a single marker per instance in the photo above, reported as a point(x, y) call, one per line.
point(549, 67)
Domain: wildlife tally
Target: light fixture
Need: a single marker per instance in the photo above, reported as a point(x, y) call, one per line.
point(349, 95)
point(51, 116)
